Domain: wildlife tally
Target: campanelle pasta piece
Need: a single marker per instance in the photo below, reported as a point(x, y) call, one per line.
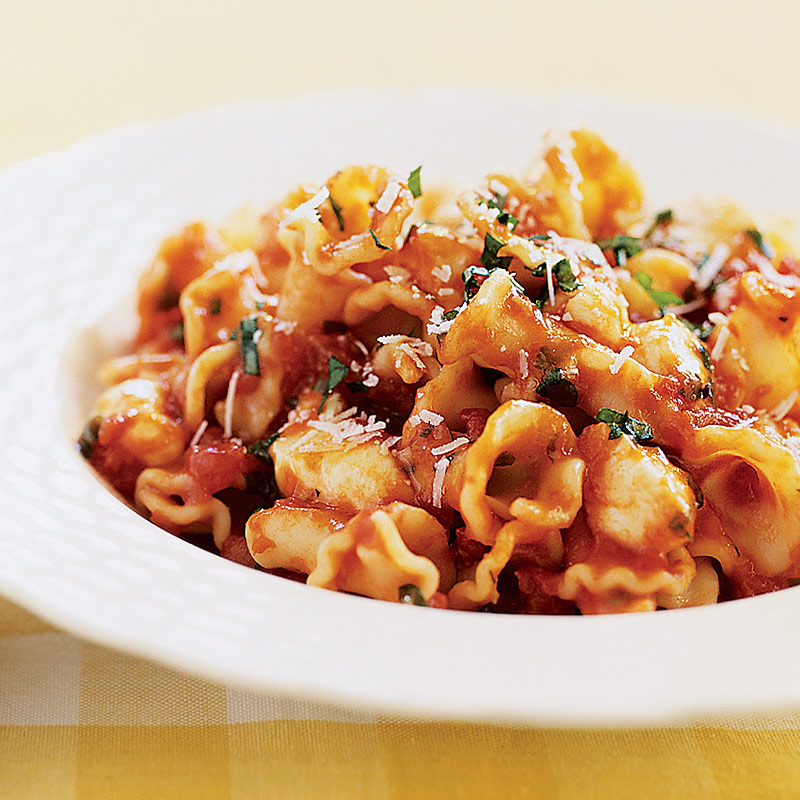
point(175, 502)
point(639, 510)
point(757, 348)
point(380, 551)
point(136, 422)
point(519, 483)
point(288, 535)
point(338, 459)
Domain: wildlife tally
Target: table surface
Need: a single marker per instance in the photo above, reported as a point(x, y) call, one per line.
point(77, 720)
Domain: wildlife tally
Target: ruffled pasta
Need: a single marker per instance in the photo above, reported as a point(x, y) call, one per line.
point(536, 397)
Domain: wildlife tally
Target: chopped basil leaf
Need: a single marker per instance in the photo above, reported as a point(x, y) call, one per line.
point(260, 304)
point(88, 437)
point(262, 483)
point(414, 185)
point(497, 200)
point(554, 386)
point(261, 447)
point(489, 257)
point(662, 218)
point(337, 209)
point(661, 299)
point(540, 237)
point(509, 220)
point(336, 374)
point(215, 306)
point(565, 277)
point(473, 277)
point(623, 247)
point(701, 330)
point(248, 327)
point(760, 242)
point(706, 358)
point(619, 423)
point(377, 241)
point(176, 333)
point(411, 595)
point(678, 524)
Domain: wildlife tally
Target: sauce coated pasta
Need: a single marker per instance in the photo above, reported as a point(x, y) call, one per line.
point(538, 397)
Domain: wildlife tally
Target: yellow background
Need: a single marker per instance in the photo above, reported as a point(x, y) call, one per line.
point(68, 69)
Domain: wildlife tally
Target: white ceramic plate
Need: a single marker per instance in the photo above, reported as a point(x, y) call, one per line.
point(77, 228)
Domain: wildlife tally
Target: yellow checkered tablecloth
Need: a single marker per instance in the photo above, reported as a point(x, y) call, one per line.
point(82, 721)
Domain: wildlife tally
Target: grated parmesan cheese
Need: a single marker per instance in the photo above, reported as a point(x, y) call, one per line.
point(201, 429)
point(371, 380)
point(437, 323)
point(771, 274)
point(621, 358)
point(439, 471)
point(308, 210)
point(719, 345)
point(574, 249)
point(387, 444)
point(717, 318)
point(784, 407)
point(238, 261)
point(550, 260)
point(397, 274)
point(386, 200)
point(687, 308)
point(523, 364)
point(712, 266)
point(450, 446)
point(229, 397)
point(443, 272)
point(429, 417)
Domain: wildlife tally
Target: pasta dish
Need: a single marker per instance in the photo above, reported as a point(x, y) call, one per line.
point(535, 397)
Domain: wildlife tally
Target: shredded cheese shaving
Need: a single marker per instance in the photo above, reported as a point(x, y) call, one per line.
point(712, 266)
point(386, 200)
point(450, 446)
point(719, 345)
point(308, 210)
point(429, 417)
point(229, 398)
point(621, 358)
point(201, 429)
point(783, 408)
point(439, 470)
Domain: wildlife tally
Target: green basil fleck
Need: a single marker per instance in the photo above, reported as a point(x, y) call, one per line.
point(760, 242)
point(88, 437)
point(248, 342)
point(261, 447)
point(619, 423)
point(378, 242)
point(623, 247)
point(661, 298)
point(411, 595)
point(414, 184)
point(554, 386)
point(336, 374)
point(337, 209)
